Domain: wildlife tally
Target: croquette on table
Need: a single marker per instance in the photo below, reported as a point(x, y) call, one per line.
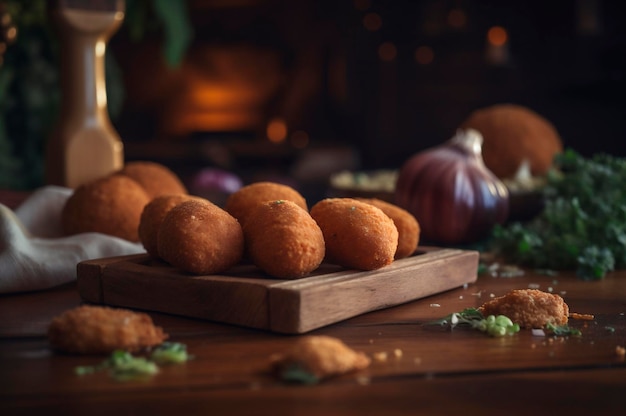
point(320, 356)
point(530, 308)
point(101, 330)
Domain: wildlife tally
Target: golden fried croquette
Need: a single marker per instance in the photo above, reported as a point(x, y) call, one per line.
point(513, 133)
point(283, 240)
point(319, 356)
point(152, 217)
point(530, 308)
point(200, 237)
point(155, 178)
point(111, 205)
point(406, 223)
point(102, 330)
point(240, 203)
point(357, 235)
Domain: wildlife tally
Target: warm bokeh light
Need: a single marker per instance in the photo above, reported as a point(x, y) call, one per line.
point(372, 22)
point(387, 51)
point(424, 55)
point(300, 139)
point(457, 18)
point(497, 36)
point(362, 4)
point(276, 130)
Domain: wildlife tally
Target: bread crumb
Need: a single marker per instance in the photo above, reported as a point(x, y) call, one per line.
point(620, 351)
point(583, 316)
point(380, 356)
point(398, 353)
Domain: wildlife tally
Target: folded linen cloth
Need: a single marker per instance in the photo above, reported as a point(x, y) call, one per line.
point(34, 253)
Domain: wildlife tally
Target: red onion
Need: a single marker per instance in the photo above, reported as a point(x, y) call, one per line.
point(454, 196)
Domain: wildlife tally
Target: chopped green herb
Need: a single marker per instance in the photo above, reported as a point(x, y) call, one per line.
point(563, 330)
point(123, 366)
point(610, 329)
point(495, 326)
point(295, 373)
point(582, 226)
point(170, 352)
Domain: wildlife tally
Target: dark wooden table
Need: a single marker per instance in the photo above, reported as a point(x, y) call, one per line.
point(434, 371)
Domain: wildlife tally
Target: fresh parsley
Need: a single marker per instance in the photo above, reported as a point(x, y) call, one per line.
point(563, 330)
point(582, 226)
point(123, 366)
point(495, 326)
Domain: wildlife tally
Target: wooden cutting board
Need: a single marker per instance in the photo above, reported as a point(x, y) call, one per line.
point(245, 296)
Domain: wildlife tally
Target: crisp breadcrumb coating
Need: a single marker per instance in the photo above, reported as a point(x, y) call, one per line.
point(530, 308)
point(322, 357)
point(283, 240)
point(358, 235)
point(241, 203)
point(102, 330)
point(406, 223)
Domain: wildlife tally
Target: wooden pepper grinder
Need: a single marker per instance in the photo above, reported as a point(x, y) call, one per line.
point(85, 145)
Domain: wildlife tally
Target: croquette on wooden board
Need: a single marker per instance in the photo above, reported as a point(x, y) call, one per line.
point(246, 296)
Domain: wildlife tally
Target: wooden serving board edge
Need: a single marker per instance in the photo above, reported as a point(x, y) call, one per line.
point(283, 306)
point(300, 306)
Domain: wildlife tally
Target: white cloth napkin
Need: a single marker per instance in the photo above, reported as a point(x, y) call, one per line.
point(34, 253)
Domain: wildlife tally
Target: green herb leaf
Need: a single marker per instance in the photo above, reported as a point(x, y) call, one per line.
point(563, 330)
point(178, 32)
point(298, 374)
point(583, 224)
point(495, 326)
point(170, 352)
point(123, 366)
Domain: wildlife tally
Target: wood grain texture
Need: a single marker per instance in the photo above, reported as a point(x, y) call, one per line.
point(245, 296)
point(439, 372)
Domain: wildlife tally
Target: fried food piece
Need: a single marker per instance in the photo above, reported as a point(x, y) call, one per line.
point(156, 179)
point(512, 134)
point(406, 223)
point(239, 204)
point(102, 330)
point(357, 235)
point(530, 308)
point(152, 217)
point(318, 357)
point(110, 205)
point(283, 240)
point(200, 237)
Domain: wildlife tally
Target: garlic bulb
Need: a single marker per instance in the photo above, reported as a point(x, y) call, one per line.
point(454, 196)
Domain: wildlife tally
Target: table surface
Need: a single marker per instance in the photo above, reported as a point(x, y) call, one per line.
point(439, 371)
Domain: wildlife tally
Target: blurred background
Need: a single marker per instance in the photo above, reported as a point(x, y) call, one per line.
point(295, 91)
